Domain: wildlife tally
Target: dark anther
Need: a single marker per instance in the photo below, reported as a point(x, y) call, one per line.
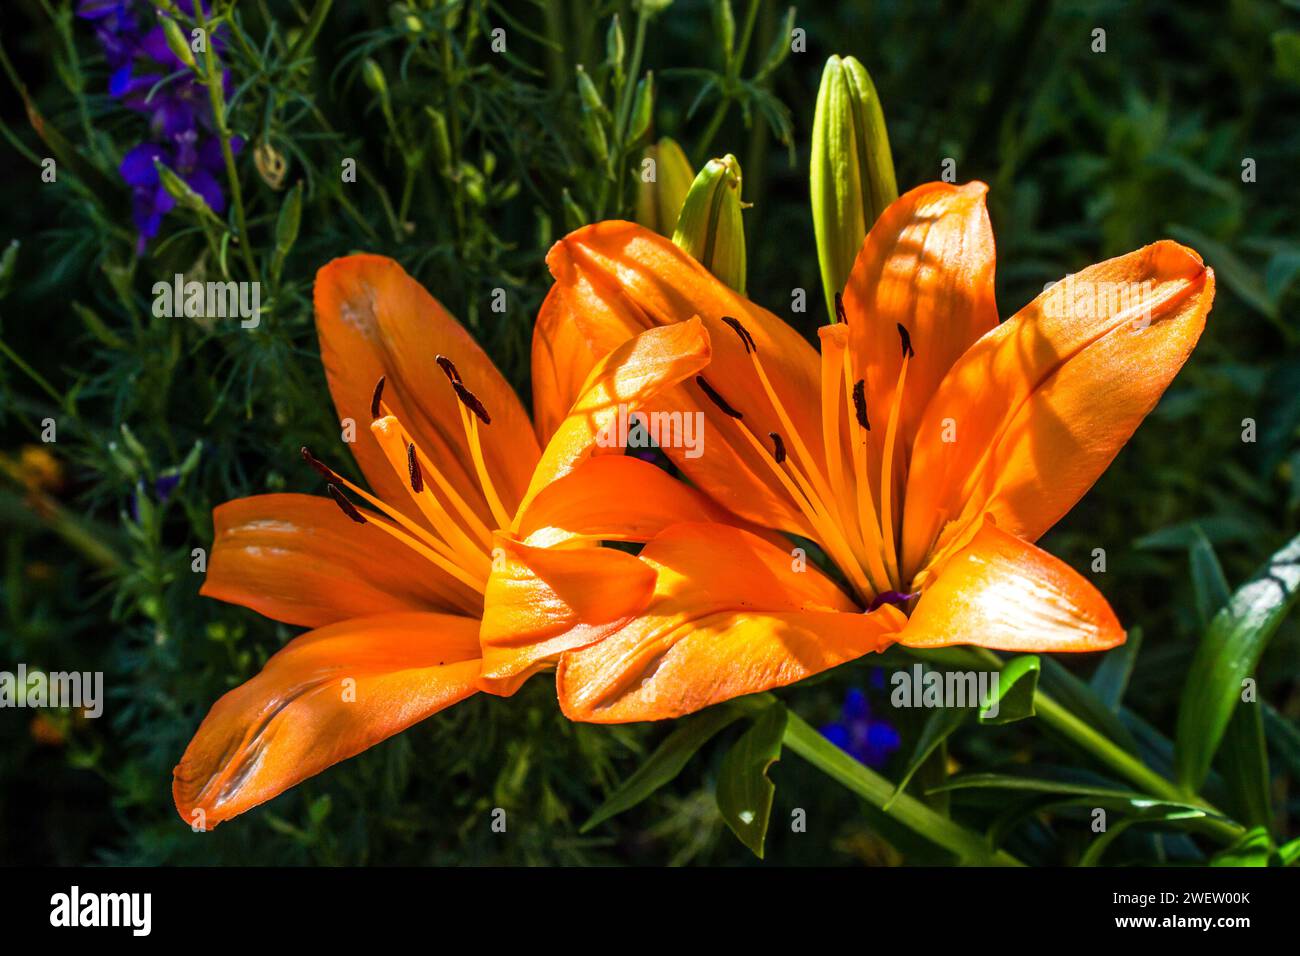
point(778, 451)
point(716, 398)
point(447, 367)
point(467, 398)
point(746, 339)
point(347, 507)
point(321, 468)
point(907, 341)
point(839, 309)
point(860, 402)
point(375, 398)
point(470, 401)
point(413, 468)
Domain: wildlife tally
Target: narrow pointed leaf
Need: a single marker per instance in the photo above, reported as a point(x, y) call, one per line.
point(1116, 667)
point(1013, 696)
point(667, 761)
point(1227, 655)
point(939, 726)
point(744, 790)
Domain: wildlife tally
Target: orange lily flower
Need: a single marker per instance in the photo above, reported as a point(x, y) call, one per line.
point(923, 451)
point(393, 582)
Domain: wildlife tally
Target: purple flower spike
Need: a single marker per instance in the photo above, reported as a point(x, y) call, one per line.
point(147, 78)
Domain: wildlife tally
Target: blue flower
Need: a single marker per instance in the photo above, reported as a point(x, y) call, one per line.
point(865, 739)
point(147, 78)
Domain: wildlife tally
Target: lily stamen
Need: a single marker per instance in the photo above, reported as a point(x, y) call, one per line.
point(779, 447)
point(346, 506)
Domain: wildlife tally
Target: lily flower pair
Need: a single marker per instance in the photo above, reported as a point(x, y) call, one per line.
point(922, 452)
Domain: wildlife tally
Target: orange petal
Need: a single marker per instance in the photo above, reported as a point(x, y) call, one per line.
point(563, 357)
point(326, 696)
point(373, 319)
point(613, 498)
point(299, 559)
point(541, 601)
point(614, 278)
point(1004, 593)
point(927, 265)
point(1029, 418)
point(729, 616)
point(631, 375)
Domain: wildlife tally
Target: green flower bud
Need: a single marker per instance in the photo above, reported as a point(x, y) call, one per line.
point(591, 100)
point(664, 178)
point(852, 176)
point(593, 116)
point(374, 77)
point(180, 190)
point(643, 104)
point(614, 46)
point(177, 41)
point(441, 140)
point(286, 229)
point(709, 227)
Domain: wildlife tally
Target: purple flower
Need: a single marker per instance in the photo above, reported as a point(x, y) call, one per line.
point(151, 80)
point(163, 486)
point(857, 734)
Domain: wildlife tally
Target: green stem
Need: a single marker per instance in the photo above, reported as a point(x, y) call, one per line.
point(1091, 740)
point(217, 96)
point(710, 131)
point(629, 84)
point(31, 373)
point(876, 790)
point(1126, 765)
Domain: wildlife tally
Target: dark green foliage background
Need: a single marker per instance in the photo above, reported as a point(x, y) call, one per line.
point(1088, 155)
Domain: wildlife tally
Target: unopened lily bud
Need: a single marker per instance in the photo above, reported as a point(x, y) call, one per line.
point(441, 140)
point(664, 178)
point(709, 228)
point(852, 176)
point(374, 77)
point(177, 42)
point(593, 116)
point(642, 109)
point(614, 46)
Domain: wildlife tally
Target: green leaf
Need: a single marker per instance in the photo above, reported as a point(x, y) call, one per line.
point(1110, 680)
point(1290, 853)
point(744, 790)
point(668, 760)
point(1243, 759)
point(1164, 814)
point(1227, 655)
point(938, 727)
point(1254, 849)
point(1102, 796)
point(1284, 737)
point(1013, 695)
point(1208, 582)
point(1080, 699)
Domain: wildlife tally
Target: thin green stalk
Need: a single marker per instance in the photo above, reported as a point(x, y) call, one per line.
point(31, 373)
point(1126, 765)
point(876, 790)
point(1091, 740)
point(733, 74)
point(634, 69)
point(217, 97)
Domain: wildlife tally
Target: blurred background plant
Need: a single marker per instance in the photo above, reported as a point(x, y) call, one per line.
point(462, 137)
